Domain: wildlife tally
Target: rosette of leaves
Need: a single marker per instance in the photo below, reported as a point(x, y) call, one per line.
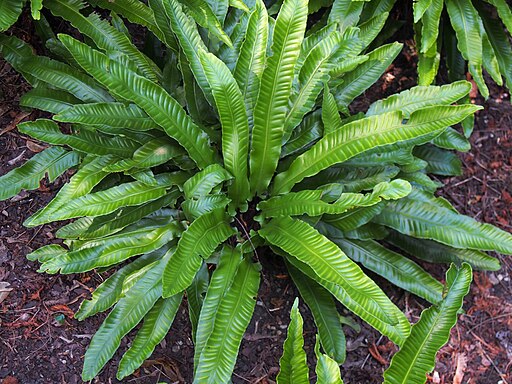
point(10, 11)
point(223, 138)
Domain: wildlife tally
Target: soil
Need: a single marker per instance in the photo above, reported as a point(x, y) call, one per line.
point(41, 342)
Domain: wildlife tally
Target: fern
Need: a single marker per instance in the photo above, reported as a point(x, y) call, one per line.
point(238, 135)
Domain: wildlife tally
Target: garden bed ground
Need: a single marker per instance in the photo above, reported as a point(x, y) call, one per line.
point(40, 342)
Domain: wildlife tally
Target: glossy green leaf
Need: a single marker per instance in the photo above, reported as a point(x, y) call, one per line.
point(394, 267)
point(417, 356)
point(336, 272)
point(203, 182)
point(80, 184)
point(325, 314)
point(435, 252)
point(426, 220)
point(127, 313)
point(155, 101)
point(50, 100)
point(52, 162)
point(235, 128)
point(10, 10)
point(293, 366)
point(112, 250)
point(275, 88)
point(233, 315)
point(85, 140)
point(358, 136)
point(157, 323)
point(221, 281)
point(104, 35)
point(116, 115)
point(440, 162)
point(197, 242)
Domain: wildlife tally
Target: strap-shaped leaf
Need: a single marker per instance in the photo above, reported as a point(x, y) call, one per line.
point(452, 139)
point(109, 200)
point(435, 252)
point(204, 16)
point(235, 128)
point(440, 162)
point(155, 101)
point(325, 314)
point(251, 60)
point(189, 39)
point(135, 11)
point(88, 228)
point(203, 182)
point(499, 41)
point(197, 242)
point(163, 24)
point(312, 76)
point(85, 141)
point(195, 297)
point(127, 313)
point(62, 76)
point(111, 250)
point(221, 281)
point(394, 267)
point(330, 115)
point(116, 115)
point(336, 272)
point(429, 25)
point(346, 13)
point(194, 208)
point(353, 218)
point(275, 88)
point(423, 219)
point(46, 253)
point(310, 202)
point(157, 323)
point(366, 74)
point(15, 51)
point(420, 97)
point(465, 22)
point(327, 370)
point(50, 100)
point(361, 135)
point(80, 184)
point(293, 366)
point(52, 162)
point(233, 315)
point(305, 135)
point(417, 356)
point(104, 35)
point(371, 28)
point(10, 10)
point(113, 288)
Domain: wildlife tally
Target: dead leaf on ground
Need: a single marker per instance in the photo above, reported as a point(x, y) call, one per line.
point(4, 291)
point(462, 362)
point(15, 122)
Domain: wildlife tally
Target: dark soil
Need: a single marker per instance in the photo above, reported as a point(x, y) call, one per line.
point(41, 342)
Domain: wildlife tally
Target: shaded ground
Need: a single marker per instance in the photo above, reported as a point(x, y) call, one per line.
point(40, 342)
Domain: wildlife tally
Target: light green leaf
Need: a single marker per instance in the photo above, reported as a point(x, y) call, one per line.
point(235, 128)
point(155, 101)
point(52, 162)
point(203, 182)
point(423, 219)
point(195, 297)
point(233, 315)
point(325, 314)
point(335, 271)
point(361, 135)
point(293, 366)
point(157, 323)
point(50, 100)
point(128, 312)
point(85, 140)
point(197, 243)
point(430, 333)
point(117, 115)
point(275, 88)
